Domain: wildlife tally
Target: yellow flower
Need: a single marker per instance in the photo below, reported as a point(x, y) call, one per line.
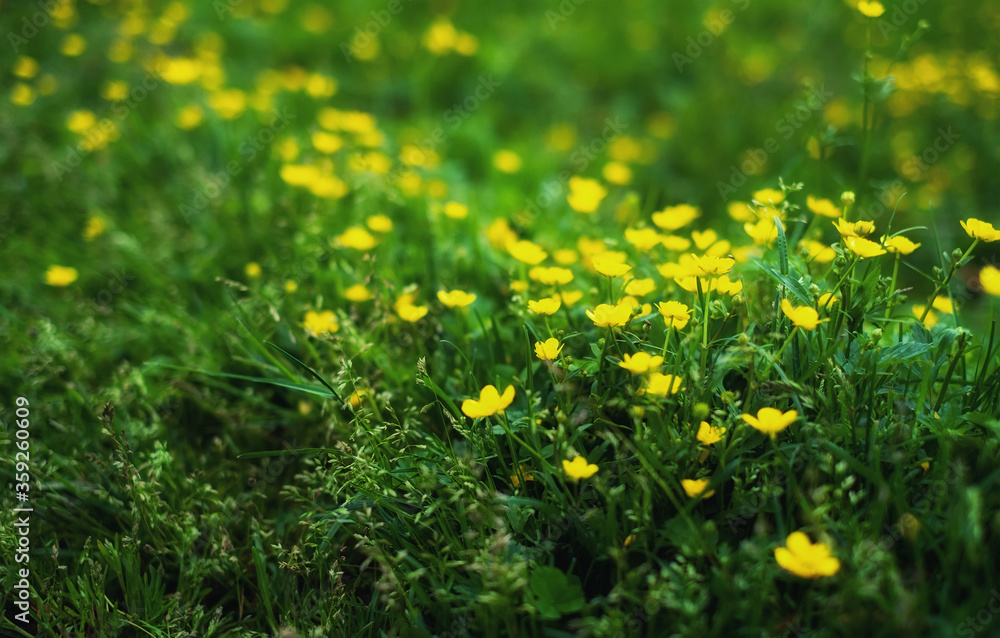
point(610, 316)
point(711, 265)
point(410, 312)
point(318, 323)
point(640, 287)
point(770, 421)
point(506, 161)
point(827, 299)
point(641, 362)
point(769, 196)
point(454, 210)
point(578, 468)
point(327, 142)
point(943, 304)
point(930, 320)
point(228, 103)
point(980, 230)
point(357, 238)
point(709, 435)
point(22, 94)
point(804, 559)
point(585, 194)
point(663, 384)
point(676, 243)
point(516, 482)
point(643, 238)
point(989, 279)
point(60, 276)
point(72, 45)
point(299, 174)
point(379, 223)
point(545, 306)
point(864, 248)
point(610, 266)
point(675, 314)
point(847, 198)
point(696, 487)
point(548, 350)
point(25, 67)
point(358, 293)
point(726, 286)
point(819, 251)
point(853, 229)
point(871, 9)
point(570, 297)
point(527, 252)
point(500, 233)
point(554, 276)
point(490, 402)
point(804, 317)
point(617, 173)
point(675, 217)
point(253, 270)
point(823, 207)
point(95, 227)
point(291, 286)
point(456, 298)
point(899, 244)
point(189, 117)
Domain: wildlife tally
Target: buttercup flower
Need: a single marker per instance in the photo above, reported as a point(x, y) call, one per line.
point(823, 207)
point(578, 468)
point(549, 349)
point(675, 217)
point(253, 270)
point(864, 248)
point(641, 362)
point(804, 317)
point(980, 230)
point(695, 487)
point(770, 421)
point(318, 323)
point(610, 266)
point(871, 9)
point(675, 314)
point(527, 252)
point(357, 238)
point(490, 402)
point(989, 279)
point(711, 265)
point(663, 384)
point(60, 276)
point(640, 287)
point(708, 434)
point(899, 244)
point(853, 229)
point(805, 559)
point(358, 293)
point(456, 298)
point(553, 276)
point(585, 195)
point(771, 196)
point(610, 316)
point(545, 306)
point(643, 239)
point(455, 210)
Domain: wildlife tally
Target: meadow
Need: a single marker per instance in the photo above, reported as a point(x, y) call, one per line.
point(442, 318)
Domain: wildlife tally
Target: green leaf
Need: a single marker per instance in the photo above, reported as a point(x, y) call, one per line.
point(794, 286)
point(555, 593)
point(782, 246)
point(903, 352)
point(311, 371)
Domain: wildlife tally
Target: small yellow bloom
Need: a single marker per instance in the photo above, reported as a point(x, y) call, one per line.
point(578, 468)
point(847, 198)
point(22, 94)
point(770, 421)
point(769, 196)
point(943, 304)
point(228, 103)
point(641, 362)
point(726, 286)
point(357, 238)
point(805, 559)
point(548, 350)
point(696, 487)
point(823, 207)
point(676, 217)
point(189, 117)
point(318, 323)
point(60, 276)
point(25, 67)
point(570, 297)
point(640, 287)
point(455, 210)
point(899, 244)
point(711, 265)
point(545, 305)
point(643, 239)
point(609, 266)
point(864, 248)
point(291, 286)
point(358, 293)
point(506, 161)
point(663, 384)
point(95, 227)
point(379, 224)
point(930, 320)
point(980, 230)
point(327, 143)
point(853, 229)
point(410, 312)
point(553, 276)
point(72, 45)
point(456, 298)
point(617, 173)
point(527, 252)
point(989, 279)
point(585, 194)
point(708, 434)
point(818, 251)
point(253, 270)
point(871, 9)
point(675, 314)
point(516, 482)
point(490, 402)
point(804, 317)
point(827, 299)
point(606, 315)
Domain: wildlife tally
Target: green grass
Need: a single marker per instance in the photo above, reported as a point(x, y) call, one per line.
point(202, 464)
